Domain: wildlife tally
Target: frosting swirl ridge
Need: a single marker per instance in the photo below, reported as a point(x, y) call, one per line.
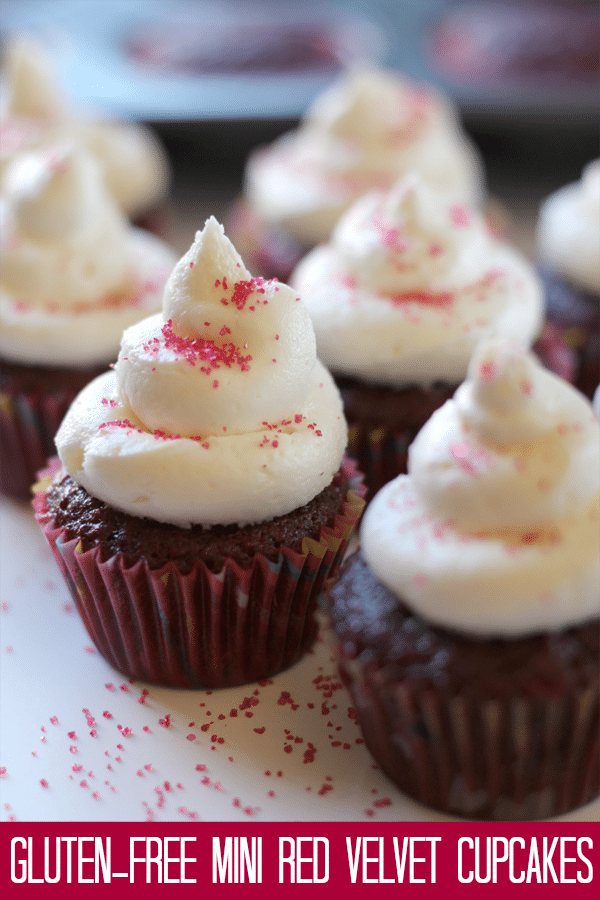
point(409, 284)
point(496, 528)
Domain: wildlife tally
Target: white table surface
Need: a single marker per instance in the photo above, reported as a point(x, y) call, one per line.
point(81, 742)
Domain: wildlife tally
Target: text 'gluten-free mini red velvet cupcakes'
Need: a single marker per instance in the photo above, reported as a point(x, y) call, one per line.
point(468, 623)
point(74, 274)
point(204, 500)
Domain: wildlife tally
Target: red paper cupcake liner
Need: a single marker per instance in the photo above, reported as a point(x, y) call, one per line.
point(203, 629)
point(502, 759)
point(485, 728)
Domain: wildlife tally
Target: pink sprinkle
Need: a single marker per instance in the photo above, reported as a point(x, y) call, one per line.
point(73, 748)
point(191, 737)
point(460, 216)
point(487, 370)
point(44, 783)
point(54, 720)
point(526, 387)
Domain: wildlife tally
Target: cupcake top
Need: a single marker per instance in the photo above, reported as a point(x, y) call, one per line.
point(364, 132)
point(495, 531)
point(35, 114)
point(409, 284)
point(217, 411)
point(74, 273)
point(568, 230)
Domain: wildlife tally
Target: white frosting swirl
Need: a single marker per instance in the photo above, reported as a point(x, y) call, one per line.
point(568, 230)
point(364, 132)
point(37, 116)
point(218, 411)
point(73, 274)
point(495, 531)
point(408, 286)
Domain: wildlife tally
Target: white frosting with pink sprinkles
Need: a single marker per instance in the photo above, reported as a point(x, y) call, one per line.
point(495, 531)
point(217, 411)
point(74, 274)
point(363, 132)
point(408, 286)
point(36, 115)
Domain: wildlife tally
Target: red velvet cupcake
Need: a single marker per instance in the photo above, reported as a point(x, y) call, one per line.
point(204, 501)
point(366, 130)
point(400, 297)
point(468, 623)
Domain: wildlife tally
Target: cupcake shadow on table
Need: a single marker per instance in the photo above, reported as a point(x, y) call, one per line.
point(203, 501)
point(467, 623)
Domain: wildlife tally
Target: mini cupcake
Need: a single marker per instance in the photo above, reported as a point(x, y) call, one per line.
point(204, 501)
point(36, 115)
point(74, 274)
point(568, 244)
point(399, 298)
point(468, 621)
point(365, 131)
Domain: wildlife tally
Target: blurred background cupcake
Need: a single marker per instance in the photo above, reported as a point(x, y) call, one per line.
point(74, 274)
point(205, 501)
point(408, 285)
point(37, 114)
point(468, 622)
point(364, 131)
point(568, 247)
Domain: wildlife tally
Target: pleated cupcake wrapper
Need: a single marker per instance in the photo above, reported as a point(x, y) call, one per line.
point(28, 424)
point(502, 759)
point(203, 629)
